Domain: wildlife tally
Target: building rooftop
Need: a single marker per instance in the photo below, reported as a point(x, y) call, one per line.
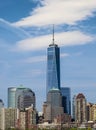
point(80, 95)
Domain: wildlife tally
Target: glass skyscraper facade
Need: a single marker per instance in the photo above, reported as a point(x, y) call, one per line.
point(66, 100)
point(26, 99)
point(11, 97)
point(53, 67)
point(19, 91)
point(21, 97)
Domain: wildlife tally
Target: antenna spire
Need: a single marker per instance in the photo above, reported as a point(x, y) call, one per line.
point(53, 34)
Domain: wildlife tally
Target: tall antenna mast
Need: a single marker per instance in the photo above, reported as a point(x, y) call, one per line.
point(53, 34)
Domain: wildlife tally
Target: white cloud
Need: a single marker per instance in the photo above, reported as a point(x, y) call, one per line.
point(64, 55)
point(62, 39)
point(59, 12)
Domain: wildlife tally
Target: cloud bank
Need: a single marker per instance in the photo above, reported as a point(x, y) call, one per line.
point(62, 39)
point(59, 12)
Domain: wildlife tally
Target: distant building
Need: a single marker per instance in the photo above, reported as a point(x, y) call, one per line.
point(27, 118)
point(8, 118)
point(80, 108)
point(15, 118)
point(21, 97)
point(1, 103)
point(89, 111)
point(19, 90)
point(26, 99)
point(11, 97)
point(66, 100)
point(22, 120)
point(74, 107)
point(53, 106)
point(53, 66)
point(63, 119)
point(94, 112)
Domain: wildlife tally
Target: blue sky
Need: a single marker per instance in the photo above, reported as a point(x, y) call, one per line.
point(26, 32)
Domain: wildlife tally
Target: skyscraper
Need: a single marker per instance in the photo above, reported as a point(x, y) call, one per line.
point(66, 100)
point(21, 97)
point(19, 91)
point(80, 108)
point(53, 106)
point(53, 66)
point(11, 97)
point(26, 99)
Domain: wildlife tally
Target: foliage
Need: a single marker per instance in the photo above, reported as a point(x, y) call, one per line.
point(73, 128)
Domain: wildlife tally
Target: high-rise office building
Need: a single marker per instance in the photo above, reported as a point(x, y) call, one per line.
point(11, 97)
point(20, 97)
point(26, 99)
point(53, 66)
point(19, 91)
point(89, 111)
point(53, 106)
point(80, 108)
point(66, 100)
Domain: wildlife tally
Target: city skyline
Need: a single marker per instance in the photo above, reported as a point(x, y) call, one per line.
point(26, 33)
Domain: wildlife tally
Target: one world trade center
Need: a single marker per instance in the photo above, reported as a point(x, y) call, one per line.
point(53, 66)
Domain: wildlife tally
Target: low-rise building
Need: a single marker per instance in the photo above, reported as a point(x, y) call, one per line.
point(8, 118)
point(27, 118)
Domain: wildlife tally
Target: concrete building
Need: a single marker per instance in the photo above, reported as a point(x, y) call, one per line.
point(22, 120)
point(94, 112)
point(89, 113)
point(27, 118)
point(2, 118)
point(15, 118)
point(80, 108)
point(63, 119)
point(8, 118)
point(53, 106)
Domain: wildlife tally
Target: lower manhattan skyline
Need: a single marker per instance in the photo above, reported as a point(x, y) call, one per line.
point(26, 33)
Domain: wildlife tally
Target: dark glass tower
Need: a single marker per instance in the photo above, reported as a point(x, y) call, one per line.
point(66, 100)
point(53, 66)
